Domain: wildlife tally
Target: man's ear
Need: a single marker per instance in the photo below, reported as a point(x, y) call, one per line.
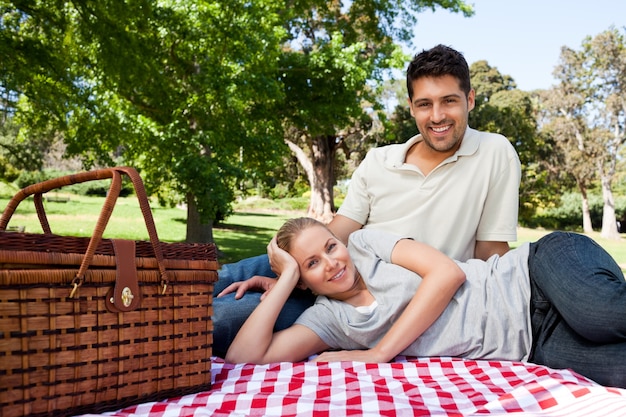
point(471, 100)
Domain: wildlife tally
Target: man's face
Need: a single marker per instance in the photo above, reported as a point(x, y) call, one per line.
point(441, 109)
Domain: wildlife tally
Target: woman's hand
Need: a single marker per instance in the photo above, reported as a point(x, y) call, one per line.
point(367, 356)
point(280, 260)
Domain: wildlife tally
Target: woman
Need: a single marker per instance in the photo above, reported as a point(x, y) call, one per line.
point(560, 302)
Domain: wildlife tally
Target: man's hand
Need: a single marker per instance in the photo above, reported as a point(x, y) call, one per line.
point(280, 261)
point(256, 283)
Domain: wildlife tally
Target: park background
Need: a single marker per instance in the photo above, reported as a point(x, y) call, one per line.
point(239, 115)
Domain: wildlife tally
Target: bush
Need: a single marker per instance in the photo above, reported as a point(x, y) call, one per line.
point(568, 214)
point(280, 191)
point(287, 189)
point(89, 188)
point(27, 178)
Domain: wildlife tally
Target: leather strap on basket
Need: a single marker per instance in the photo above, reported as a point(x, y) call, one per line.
point(125, 295)
point(116, 184)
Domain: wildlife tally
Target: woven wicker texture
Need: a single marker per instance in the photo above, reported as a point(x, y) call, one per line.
point(62, 355)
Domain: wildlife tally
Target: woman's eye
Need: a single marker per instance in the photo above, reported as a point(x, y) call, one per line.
point(311, 264)
point(331, 247)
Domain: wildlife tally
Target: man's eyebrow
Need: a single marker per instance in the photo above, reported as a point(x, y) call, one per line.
point(428, 100)
point(453, 95)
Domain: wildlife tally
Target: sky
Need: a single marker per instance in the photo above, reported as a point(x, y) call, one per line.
point(521, 38)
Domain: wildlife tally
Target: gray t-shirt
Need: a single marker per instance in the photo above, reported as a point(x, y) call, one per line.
point(488, 317)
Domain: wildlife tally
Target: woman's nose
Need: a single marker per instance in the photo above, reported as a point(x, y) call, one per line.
point(330, 262)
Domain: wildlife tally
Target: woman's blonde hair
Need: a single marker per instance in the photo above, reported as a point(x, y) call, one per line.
point(292, 228)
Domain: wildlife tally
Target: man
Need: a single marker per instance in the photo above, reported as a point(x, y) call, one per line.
point(450, 186)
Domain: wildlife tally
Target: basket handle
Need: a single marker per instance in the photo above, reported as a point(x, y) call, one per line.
point(38, 189)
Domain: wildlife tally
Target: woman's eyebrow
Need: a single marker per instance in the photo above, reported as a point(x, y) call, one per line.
point(308, 258)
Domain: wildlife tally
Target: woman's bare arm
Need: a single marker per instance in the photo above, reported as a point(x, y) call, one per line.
point(256, 341)
point(441, 278)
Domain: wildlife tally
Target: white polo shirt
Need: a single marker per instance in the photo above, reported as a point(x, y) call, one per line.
point(472, 195)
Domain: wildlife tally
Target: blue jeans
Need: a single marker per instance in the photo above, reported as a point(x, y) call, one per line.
point(229, 314)
point(578, 308)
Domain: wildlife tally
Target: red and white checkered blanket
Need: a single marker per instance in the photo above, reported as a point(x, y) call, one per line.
point(406, 387)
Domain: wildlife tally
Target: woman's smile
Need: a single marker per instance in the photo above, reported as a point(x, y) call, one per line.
point(338, 275)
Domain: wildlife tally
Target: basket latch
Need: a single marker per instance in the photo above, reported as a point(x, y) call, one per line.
point(125, 295)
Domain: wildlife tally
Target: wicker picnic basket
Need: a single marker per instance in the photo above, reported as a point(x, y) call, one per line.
point(93, 324)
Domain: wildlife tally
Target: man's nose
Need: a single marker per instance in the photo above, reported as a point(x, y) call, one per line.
point(438, 113)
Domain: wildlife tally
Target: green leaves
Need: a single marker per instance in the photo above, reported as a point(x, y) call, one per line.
point(195, 93)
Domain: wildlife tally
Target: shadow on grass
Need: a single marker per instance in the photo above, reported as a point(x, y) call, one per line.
point(241, 228)
point(242, 243)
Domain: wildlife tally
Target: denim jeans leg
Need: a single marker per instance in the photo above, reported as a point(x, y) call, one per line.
point(242, 270)
point(563, 348)
point(578, 308)
point(583, 282)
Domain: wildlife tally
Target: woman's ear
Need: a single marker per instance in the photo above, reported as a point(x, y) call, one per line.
point(301, 285)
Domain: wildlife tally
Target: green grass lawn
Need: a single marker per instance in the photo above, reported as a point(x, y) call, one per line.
point(242, 235)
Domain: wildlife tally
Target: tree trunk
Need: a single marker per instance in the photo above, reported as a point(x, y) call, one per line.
point(587, 226)
point(197, 232)
point(609, 222)
point(322, 205)
point(320, 172)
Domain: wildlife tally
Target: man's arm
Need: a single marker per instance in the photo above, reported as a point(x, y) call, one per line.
point(341, 227)
point(485, 249)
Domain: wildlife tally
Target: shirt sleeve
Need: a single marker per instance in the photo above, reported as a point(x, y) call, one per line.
point(356, 205)
point(500, 212)
point(324, 322)
point(372, 244)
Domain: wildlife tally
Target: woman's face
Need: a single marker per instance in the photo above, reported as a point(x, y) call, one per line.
point(325, 264)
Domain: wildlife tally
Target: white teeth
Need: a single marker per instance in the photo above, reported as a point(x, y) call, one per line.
point(338, 275)
point(440, 129)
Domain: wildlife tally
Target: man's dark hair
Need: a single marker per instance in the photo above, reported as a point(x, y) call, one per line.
point(436, 62)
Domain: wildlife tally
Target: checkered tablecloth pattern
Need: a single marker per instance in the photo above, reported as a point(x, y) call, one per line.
point(406, 387)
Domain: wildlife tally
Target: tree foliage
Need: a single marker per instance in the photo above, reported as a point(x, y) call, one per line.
point(199, 94)
point(185, 91)
point(332, 70)
point(502, 108)
point(563, 121)
point(588, 117)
